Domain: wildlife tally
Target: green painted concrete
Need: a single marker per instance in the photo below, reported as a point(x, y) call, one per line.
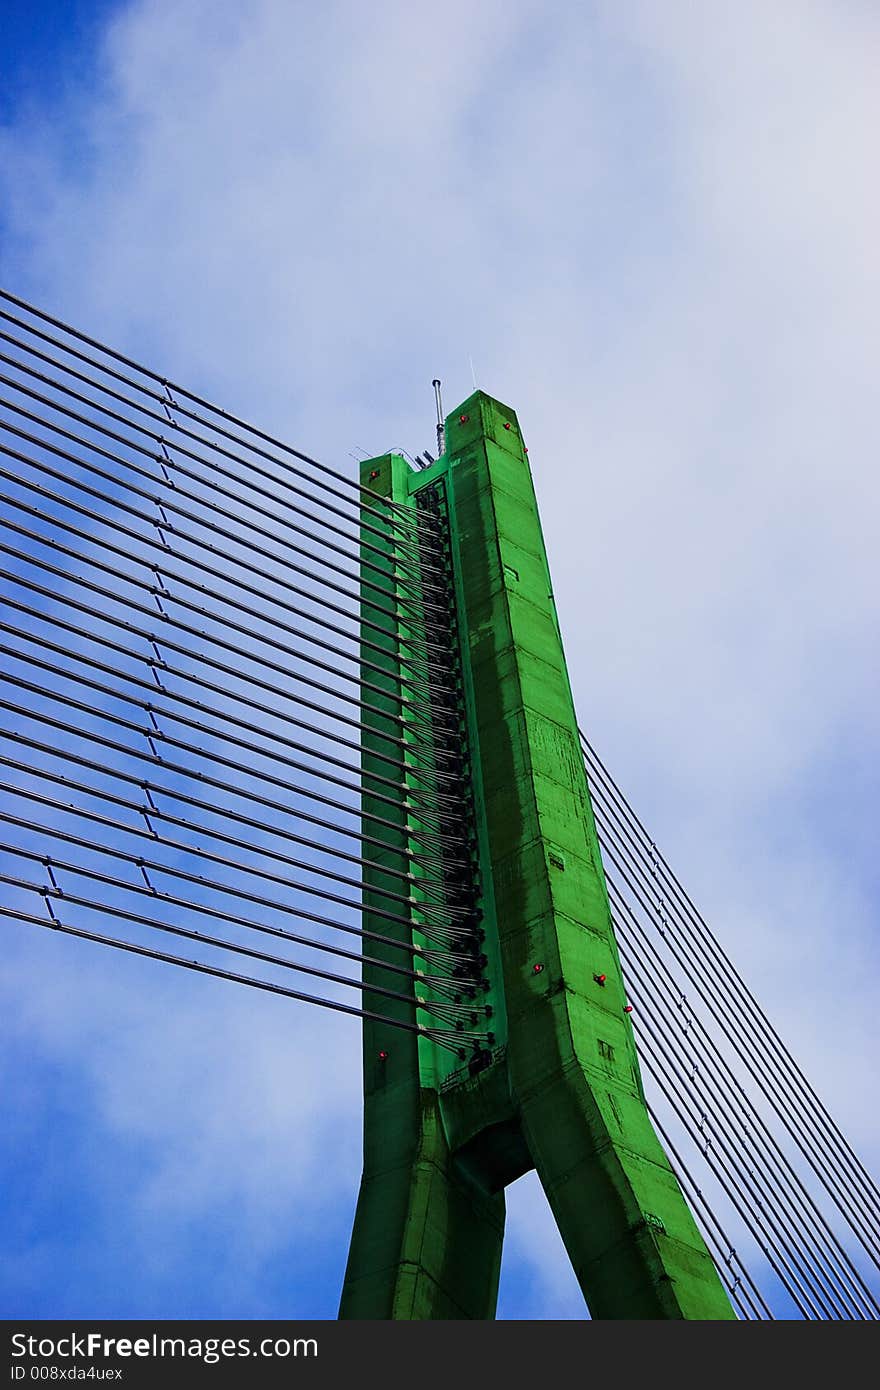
point(564, 1092)
point(427, 1238)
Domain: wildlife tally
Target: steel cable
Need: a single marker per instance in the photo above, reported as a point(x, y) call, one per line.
point(717, 1237)
point(362, 493)
point(735, 1026)
point(149, 890)
point(449, 1038)
point(811, 1232)
point(806, 1260)
point(429, 925)
point(360, 583)
point(439, 1008)
point(368, 502)
point(752, 1014)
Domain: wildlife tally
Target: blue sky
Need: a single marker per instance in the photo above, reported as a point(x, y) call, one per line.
point(653, 230)
point(47, 46)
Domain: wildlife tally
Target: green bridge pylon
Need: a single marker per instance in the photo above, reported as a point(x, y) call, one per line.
point(554, 1083)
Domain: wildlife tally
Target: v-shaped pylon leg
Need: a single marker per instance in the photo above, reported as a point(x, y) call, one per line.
point(426, 1241)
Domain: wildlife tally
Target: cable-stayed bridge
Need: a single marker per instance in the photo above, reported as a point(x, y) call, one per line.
point(312, 735)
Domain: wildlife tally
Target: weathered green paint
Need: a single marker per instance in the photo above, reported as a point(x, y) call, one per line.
point(564, 1092)
point(571, 1058)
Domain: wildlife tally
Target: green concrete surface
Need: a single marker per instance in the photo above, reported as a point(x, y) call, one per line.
point(563, 1091)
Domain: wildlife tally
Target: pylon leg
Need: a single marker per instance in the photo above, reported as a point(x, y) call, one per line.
point(629, 1262)
point(427, 1238)
point(571, 1056)
point(426, 1241)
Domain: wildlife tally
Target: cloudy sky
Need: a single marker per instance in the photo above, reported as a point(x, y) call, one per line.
point(652, 228)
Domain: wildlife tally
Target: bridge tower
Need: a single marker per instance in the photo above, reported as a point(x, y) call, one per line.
point(474, 783)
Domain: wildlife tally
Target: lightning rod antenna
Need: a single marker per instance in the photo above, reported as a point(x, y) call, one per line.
point(441, 440)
